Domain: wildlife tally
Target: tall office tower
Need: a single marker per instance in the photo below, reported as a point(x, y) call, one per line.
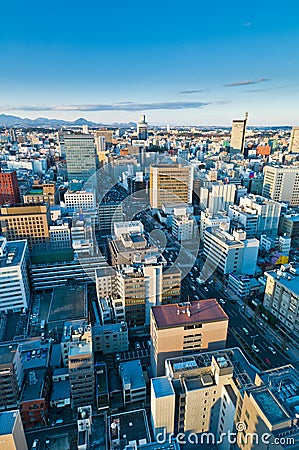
point(170, 184)
point(12, 436)
point(25, 222)
point(14, 283)
point(11, 375)
point(237, 140)
point(109, 214)
point(142, 128)
point(281, 183)
point(183, 328)
point(81, 372)
point(81, 158)
point(9, 188)
point(294, 141)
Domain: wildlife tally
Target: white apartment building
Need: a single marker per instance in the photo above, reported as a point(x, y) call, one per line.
point(281, 183)
point(121, 228)
point(60, 235)
point(14, 284)
point(228, 253)
point(84, 200)
point(182, 225)
point(209, 220)
point(282, 296)
point(218, 196)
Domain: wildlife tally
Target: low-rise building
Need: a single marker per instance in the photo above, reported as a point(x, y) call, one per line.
point(11, 375)
point(129, 428)
point(110, 338)
point(133, 383)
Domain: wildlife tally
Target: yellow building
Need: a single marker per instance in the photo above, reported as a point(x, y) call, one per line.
point(170, 184)
point(26, 222)
point(177, 329)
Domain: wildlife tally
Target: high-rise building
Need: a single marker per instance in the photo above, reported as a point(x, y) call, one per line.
point(217, 196)
point(282, 296)
point(206, 397)
point(11, 375)
point(226, 253)
point(237, 141)
point(142, 128)
point(9, 188)
point(170, 184)
point(294, 140)
point(183, 328)
point(81, 158)
point(81, 371)
point(14, 283)
point(256, 215)
point(281, 183)
point(109, 213)
point(29, 222)
point(12, 436)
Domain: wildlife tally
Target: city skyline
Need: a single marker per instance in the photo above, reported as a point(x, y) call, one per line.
point(204, 65)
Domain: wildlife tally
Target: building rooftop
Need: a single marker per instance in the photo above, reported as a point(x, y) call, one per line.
point(129, 428)
point(33, 388)
point(7, 421)
point(175, 315)
point(162, 387)
point(131, 372)
point(68, 303)
point(14, 251)
point(288, 280)
point(61, 390)
point(270, 406)
point(7, 353)
point(82, 348)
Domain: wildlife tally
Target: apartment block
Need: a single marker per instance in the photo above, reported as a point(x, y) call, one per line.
point(230, 253)
point(12, 436)
point(11, 376)
point(110, 338)
point(14, 281)
point(133, 383)
point(294, 140)
point(109, 213)
point(281, 183)
point(208, 395)
point(82, 373)
point(282, 296)
point(183, 328)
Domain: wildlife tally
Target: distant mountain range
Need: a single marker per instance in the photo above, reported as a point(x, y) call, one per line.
point(13, 121)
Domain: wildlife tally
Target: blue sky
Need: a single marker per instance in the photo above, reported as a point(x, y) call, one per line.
point(191, 62)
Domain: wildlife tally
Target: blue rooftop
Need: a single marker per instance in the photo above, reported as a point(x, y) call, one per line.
point(7, 421)
point(162, 387)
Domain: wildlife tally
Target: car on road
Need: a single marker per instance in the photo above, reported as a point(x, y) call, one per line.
point(272, 350)
point(246, 332)
point(206, 289)
point(267, 361)
point(47, 444)
point(137, 346)
point(57, 422)
point(117, 357)
point(35, 444)
point(222, 301)
point(255, 349)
